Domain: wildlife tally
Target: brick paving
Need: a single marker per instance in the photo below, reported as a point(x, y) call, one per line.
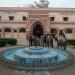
point(67, 70)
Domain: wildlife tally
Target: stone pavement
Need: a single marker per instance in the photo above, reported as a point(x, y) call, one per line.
point(67, 70)
point(22, 42)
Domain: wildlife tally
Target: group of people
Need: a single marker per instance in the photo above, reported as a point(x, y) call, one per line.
point(49, 41)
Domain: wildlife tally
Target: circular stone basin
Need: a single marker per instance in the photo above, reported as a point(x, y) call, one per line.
point(35, 58)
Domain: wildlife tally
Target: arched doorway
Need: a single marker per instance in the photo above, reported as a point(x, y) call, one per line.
point(7, 33)
point(53, 32)
point(37, 30)
point(61, 33)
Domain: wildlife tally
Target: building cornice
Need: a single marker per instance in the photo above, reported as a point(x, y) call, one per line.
point(69, 23)
point(19, 22)
point(23, 9)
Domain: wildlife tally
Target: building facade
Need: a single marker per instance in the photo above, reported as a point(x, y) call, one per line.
point(20, 22)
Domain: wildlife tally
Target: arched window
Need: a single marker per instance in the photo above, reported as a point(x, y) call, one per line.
point(24, 18)
point(7, 30)
point(53, 31)
point(68, 31)
point(15, 30)
point(22, 30)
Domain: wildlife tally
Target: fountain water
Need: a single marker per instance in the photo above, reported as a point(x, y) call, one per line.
point(35, 58)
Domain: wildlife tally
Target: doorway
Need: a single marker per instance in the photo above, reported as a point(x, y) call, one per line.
point(37, 30)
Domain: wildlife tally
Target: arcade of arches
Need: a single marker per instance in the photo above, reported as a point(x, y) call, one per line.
point(12, 32)
point(37, 30)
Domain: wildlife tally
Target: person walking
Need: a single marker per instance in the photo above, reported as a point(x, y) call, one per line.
point(51, 41)
point(60, 41)
point(30, 40)
point(41, 40)
point(64, 42)
point(47, 40)
point(44, 40)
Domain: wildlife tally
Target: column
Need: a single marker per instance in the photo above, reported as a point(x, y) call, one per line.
point(17, 32)
point(3, 35)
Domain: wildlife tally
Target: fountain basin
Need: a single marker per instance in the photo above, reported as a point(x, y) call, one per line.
point(31, 58)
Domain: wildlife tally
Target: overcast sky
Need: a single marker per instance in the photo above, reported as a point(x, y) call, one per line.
point(23, 3)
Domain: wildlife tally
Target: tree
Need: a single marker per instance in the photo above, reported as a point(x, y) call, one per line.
point(41, 4)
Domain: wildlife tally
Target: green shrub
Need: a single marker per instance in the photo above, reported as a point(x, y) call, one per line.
point(2, 42)
point(12, 42)
point(6, 41)
point(71, 42)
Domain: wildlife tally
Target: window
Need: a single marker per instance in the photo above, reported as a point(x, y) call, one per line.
point(24, 18)
point(15, 30)
point(68, 31)
point(7, 30)
point(22, 30)
point(52, 18)
point(11, 18)
point(53, 31)
point(65, 18)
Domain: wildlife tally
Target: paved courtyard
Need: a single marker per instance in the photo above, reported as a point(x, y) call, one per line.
point(67, 70)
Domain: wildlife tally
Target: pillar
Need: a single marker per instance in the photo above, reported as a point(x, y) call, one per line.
point(3, 35)
point(58, 33)
point(17, 32)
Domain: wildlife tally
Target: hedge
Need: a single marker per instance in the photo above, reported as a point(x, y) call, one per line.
point(7, 41)
point(71, 42)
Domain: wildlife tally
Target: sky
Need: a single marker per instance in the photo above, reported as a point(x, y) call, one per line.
point(25, 3)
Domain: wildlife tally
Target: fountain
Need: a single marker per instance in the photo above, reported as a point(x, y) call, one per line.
point(35, 58)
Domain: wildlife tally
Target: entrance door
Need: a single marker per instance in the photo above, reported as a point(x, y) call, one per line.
point(37, 30)
point(53, 32)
